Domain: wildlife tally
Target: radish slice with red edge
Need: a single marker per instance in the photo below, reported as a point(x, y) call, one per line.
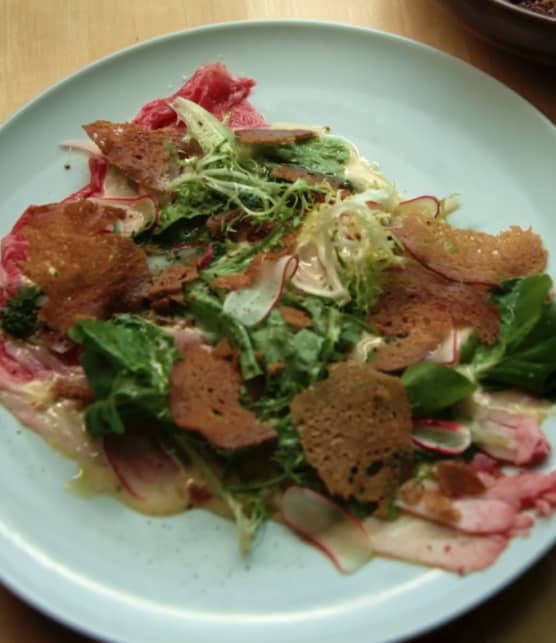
point(81, 145)
point(251, 305)
point(426, 205)
point(149, 476)
point(324, 524)
point(441, 436)
point(448, 351)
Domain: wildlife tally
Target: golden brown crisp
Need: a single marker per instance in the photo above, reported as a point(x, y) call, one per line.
point(205, 398)
point(273, 136)
point(470, 256)
point(168, 285)
point(142, 154)
point(419, 308)
point(355, 429)
point(458, 479)
point(292, 173)
point(295, 317)
point(412, 330)
point(440, 506)
point(83, 268)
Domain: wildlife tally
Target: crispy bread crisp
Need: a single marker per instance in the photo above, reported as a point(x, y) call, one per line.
point(470, 256)
point(84, 269)
point(140, 153)
point(412, 328)
point(355, 429)
point(419, 308)
point(273, 136)
point(204, 397)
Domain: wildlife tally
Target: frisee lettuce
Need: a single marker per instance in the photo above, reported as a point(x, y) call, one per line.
point(344, 249)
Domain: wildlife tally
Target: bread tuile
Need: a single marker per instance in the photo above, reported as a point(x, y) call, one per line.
point(419, 308)
point(142, 154)
point(205, 398)
point(355, 429)
point(469, 256)
point(83, 268)
point(273, 136)
point(412, 329)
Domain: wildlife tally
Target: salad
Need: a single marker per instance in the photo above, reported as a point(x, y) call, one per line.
point(252, 320)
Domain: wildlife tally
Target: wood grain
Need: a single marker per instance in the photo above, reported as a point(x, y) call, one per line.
point(42, 41)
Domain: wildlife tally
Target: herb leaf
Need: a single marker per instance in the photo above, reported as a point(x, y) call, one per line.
point(19, 316)
point(432, 387)
point(127, 362)
point(524, 354)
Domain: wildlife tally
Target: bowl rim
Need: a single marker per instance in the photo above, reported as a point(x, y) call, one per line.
point(518, 9)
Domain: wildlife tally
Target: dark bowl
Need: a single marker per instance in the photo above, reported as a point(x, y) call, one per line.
point(521, 31)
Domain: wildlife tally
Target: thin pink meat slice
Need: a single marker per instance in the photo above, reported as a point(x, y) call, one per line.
point(475, 515)
point(533, 489)
point(419, 541)
point(213, 87)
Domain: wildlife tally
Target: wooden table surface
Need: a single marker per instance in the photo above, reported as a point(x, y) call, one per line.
point(41, 41)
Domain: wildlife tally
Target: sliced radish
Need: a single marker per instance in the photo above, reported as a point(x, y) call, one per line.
point(150, 477)
point(251, 305)
point(141, 212)
point(441, 436)
point(327, 526)
point(448, 351)
point(507, 425)
point(81, 145)
point(116, 185)
point(422, 205)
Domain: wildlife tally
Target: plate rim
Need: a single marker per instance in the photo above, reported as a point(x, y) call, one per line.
point(42, 602)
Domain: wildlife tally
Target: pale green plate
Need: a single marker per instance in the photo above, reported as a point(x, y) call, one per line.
point(437, 126)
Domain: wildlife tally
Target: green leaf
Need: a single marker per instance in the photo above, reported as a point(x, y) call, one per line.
point(524, 353)
point(324, 154)
point(432, 387)
point(216, 324)
point(531, 368)
point(19, 316)
point(206, 129)
point(521, 303)
point(127, 362)
point(193, 202)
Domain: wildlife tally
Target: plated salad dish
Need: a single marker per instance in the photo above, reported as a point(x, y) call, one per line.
point(250, 319)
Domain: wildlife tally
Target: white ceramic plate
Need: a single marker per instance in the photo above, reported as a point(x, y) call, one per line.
point(437, 126)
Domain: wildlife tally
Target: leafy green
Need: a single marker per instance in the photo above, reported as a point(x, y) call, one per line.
point(127, 362)
point(224, 177)
point(350, 248)
point(524, 354)
point(192, 202)
point(239, 255)
point(324, 154)
point(19, 316)
point(304, 354)
point(206, 129)
point(432, 387)
point(302, 357)
point(297, 352)
point(215, 323)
